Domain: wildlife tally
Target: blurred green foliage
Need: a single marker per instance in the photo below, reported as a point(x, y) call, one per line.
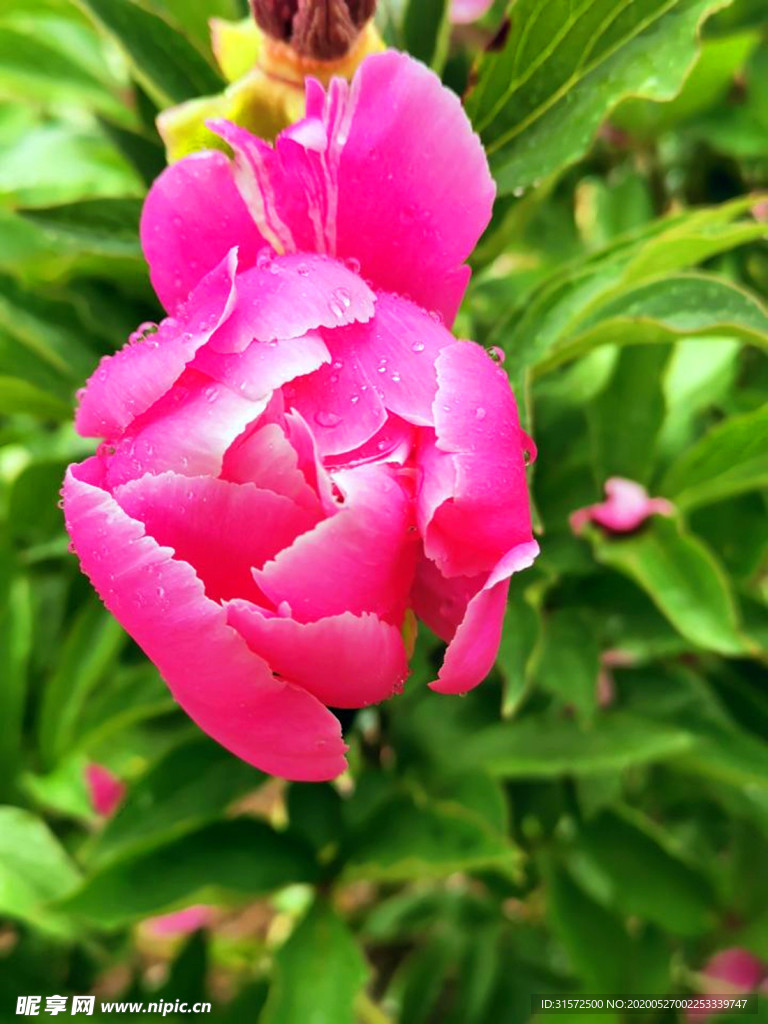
point(578, 823)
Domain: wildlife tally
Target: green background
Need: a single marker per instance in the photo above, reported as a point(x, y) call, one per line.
point(544, 834)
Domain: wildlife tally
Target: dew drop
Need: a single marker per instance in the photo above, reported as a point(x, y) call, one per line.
point(434, 315)
point(352, 264)
point(480, 413)
point(284, 610)
point(418, 346)
point(497, 354)
point(264, 258)
point(303, 270)
point(327, 419)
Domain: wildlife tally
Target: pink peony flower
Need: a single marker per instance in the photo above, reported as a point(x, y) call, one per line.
point(465, 11)
point(105, 790)
point(181, 922)
point(302, 453)
point(626, 507)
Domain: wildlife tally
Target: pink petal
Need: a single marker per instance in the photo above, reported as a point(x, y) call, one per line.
point(265, 457)
point(359, 560)
point(264, 366)
point(473, 504)
point(412, 189)
point(220, 683)
point(469, 613)
point(221, 529)
point(289, 296)
point(188, 431)
point(403, 194)
point(346, 661)
point(393, 443)
point(340, 404)
point(105, 790)
point(626, 508)
point(465, 11)
point(275, 199)
point(397, 351)
point(192, 218)
point(472, 652)
point(126, 384)
point(182, 922)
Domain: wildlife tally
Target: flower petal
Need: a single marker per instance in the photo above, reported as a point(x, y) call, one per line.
point(340, 403)
point(359, 560)
point(626, 508)
point(411, 193)
point(188, 431)
point(289, 296)
point(346, 661)
point(397, 350)
point(265, 457)
point(470, 523)
point(127, 383)
point(220, 683)
point(192, 217)
point(265, 365)
point(221, 529)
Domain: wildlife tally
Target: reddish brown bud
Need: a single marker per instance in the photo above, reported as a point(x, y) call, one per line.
point(318, 29)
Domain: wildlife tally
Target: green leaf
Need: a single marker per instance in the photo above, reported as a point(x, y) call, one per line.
point(568, 660)
point(100, 227)
point(89, 653)
point(426, 27)
point(319, 973)
point(403, 840)
point(604, 955)
point(189, 787)
point(522, 626)
point(34, 68)
point(731, 459)
point(166, 63)
point(542, 747)
point(15, 646)
point(682, 578)
point(627, 415)
point(34, 869)
point(732, 756)
point(627, 869)
point(539, 101)
point(225, 861)
point(20, 396)
point(553, 313)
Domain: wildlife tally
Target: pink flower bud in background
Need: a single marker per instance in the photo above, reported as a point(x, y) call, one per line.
point(181, 922)
point(105, 790)
point(730, 972)
point(301, 456)
point(465, 11)
point(627, 506)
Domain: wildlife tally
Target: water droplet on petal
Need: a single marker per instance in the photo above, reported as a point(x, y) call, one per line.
point(352, 264)
point(497, 354)
point(434, 315)
point(284, 610)
point(303, 270)
point(480, 413)
point(418, 346)
point(264, 258)
point(327, 419)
